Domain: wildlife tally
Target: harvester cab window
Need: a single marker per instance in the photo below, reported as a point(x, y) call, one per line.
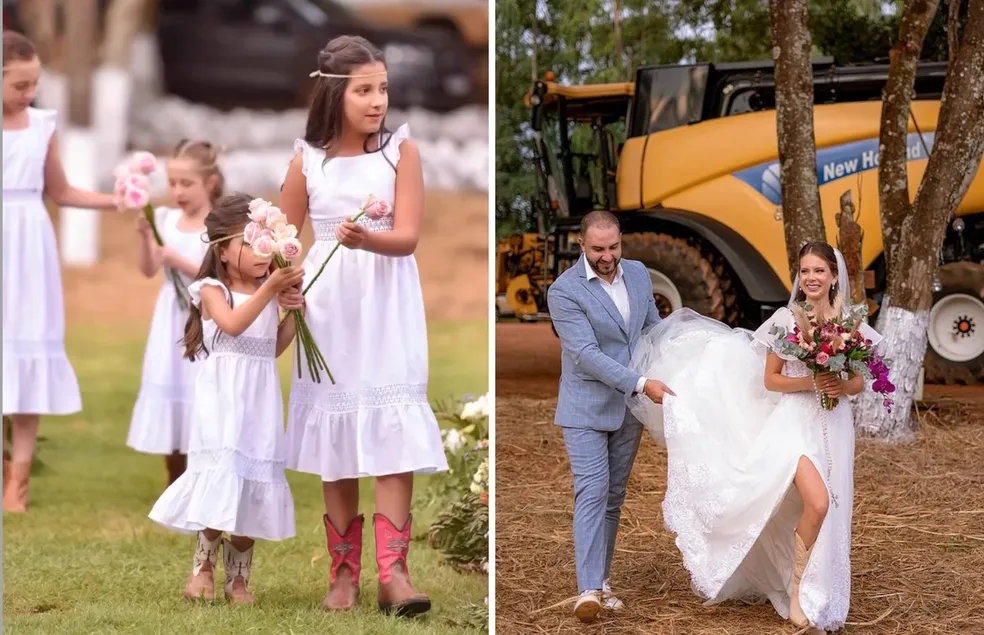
point(668, 97)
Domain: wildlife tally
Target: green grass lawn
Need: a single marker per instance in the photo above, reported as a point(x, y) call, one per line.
point(86, 559)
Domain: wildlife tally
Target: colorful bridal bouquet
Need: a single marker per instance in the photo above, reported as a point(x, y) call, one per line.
point(375, 209)
point(133, 192)
point(271, 236)
point(834, 346)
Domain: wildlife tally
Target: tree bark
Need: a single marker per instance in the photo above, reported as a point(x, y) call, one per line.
point(38, 18)
point(791, 46)
point(619, 57)
point(956, 157)
point(953, 29)
point(81, 17)
point(849, 240)
point(893, 191)
point(124, 19)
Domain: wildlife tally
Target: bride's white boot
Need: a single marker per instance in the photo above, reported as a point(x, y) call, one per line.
point(796, 614)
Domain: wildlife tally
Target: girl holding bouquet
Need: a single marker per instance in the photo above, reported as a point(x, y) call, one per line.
point(367, 313)
point(161, 418)
point(760, 474)
point(237, 449)
point(37, 376)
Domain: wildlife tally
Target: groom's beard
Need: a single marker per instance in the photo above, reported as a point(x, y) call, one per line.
point(605, 269)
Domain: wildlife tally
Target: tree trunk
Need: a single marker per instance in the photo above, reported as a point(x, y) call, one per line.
point(849, 240)
point(619, 57)
point(38, 19)
point(802, 221)
point(124, 19)
point(893, 190)
point(953, 29)
point(956, 157)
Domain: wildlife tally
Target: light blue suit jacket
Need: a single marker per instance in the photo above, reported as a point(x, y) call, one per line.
point(597, 344)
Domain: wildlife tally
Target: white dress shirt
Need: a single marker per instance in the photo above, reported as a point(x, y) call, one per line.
point(619, 294)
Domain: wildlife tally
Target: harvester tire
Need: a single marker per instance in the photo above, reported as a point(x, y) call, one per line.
point(700, 276)
point(940, 370)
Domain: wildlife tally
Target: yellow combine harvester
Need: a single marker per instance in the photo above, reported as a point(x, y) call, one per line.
point(687, 156)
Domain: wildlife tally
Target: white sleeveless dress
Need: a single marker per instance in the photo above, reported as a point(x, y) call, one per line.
point(235, 478)
point(366, 313)
point(732, 452)
point(161, 419)
point(37, 376)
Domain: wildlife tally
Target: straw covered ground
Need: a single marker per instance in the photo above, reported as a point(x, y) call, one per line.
point(917, 553)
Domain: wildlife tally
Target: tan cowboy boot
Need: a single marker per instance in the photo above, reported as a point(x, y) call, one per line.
point(16, 486)
point(346, 565)
point(176, 465)
point(238, 565)
point(396, 594)
point(201, 581)
point(796, 614)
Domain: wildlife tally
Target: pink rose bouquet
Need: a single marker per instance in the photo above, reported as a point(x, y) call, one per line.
point(834, 346)
point(133, 192)
point(375, 209)
point(272, 237)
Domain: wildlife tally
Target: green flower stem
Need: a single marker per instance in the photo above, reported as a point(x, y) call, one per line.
point(174, 276)
point(305, 340)
point(355, 219)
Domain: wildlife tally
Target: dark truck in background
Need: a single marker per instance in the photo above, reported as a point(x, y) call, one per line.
point(259, 53)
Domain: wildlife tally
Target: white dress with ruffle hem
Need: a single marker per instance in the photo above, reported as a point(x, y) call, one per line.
point(732, 451)
point(161, 419)
point(37, 376)
point(366, 313)
point(236, 455)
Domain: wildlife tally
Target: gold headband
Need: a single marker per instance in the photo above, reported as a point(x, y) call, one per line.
point(322, 74)
point(220, 240)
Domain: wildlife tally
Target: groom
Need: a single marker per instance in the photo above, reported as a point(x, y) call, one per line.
point(600, 307)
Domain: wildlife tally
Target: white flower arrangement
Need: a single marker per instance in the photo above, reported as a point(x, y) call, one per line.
point(478, 409)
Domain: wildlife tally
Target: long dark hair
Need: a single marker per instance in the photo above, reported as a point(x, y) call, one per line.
point(327, 112)
point(206, 155)
point(826, 253)
point(228, 218)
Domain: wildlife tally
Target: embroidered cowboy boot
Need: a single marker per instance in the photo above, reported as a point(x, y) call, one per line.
point(396, 594)
point(802, 556)
point(346, 565)
point(201, 581)
point(238, 565)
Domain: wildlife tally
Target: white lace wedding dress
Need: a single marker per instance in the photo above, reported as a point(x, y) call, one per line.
point(733, 449)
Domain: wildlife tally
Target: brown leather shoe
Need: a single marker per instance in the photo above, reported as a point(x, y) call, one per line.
point(346, 565)
point(15, 489)
point(238, 565)
point(396, 594)
point(176, 465)
point(201, 580)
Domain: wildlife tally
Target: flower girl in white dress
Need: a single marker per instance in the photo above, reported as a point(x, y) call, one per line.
point(367, 314)
point(760, 478)
point(161, 419)
point(38, 379)
point(235, 478)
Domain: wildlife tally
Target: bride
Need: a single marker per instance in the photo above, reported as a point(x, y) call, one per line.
point(760, 478)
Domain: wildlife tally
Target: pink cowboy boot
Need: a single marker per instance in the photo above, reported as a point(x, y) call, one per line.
point(396, 595)
point(201, 580)
point(346, 564)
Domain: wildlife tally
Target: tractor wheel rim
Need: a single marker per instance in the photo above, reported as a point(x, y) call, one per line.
point(665, 293)
point(956, 327)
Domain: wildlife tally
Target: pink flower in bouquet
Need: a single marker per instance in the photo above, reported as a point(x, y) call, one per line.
point(136, 181)
point(290, 249)
point(120, 187)
point(377, 208)
point(284, 231)
point(822, 358)
point(258, 210)
point(264, 246)
point(135, 198)
point(252, 232)
point(275, 219)
point(121, 172)
point(143, 162)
